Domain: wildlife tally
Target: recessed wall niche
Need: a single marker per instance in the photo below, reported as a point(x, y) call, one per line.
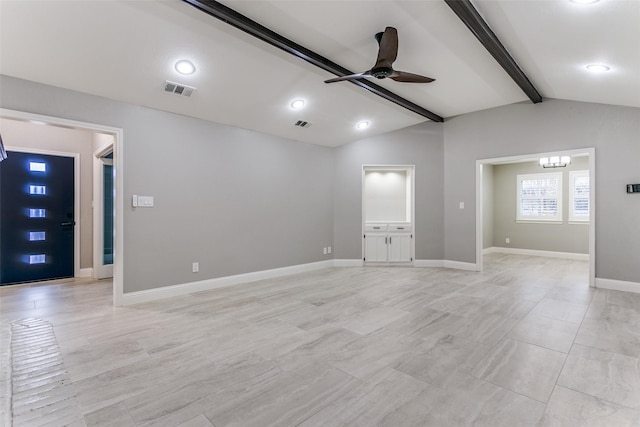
point(387, 195)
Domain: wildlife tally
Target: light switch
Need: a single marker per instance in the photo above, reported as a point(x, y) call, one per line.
point(461, 205)
point(142, 201)
point(145, 201)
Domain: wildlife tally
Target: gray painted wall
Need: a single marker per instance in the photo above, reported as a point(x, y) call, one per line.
point(419, 145)
point(487, 206)
point(234, 200)
point(563, 237)
point(31, 136)
point(550, 126)
point(239, 201)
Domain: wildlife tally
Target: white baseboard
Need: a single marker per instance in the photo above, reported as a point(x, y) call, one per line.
point(533, 252)
point(617, 285)
point(220, 282)
point(85, 272)
point(460, 265)
point(348, 263)
point(428, 263)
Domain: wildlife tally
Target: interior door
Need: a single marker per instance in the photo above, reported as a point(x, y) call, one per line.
point(37, 217)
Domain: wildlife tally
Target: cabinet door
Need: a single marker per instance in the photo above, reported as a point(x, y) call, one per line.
point(375, 247)
point(400, 247)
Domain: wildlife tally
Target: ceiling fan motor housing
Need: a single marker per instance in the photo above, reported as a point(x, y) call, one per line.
point(381, 72)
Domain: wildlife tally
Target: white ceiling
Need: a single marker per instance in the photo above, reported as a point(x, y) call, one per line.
point(125, 50)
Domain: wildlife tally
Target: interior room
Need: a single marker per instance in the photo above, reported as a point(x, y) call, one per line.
point(212, 216)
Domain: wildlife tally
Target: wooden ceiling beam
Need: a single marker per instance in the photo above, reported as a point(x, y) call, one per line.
point(478, 26)
point(236, 19)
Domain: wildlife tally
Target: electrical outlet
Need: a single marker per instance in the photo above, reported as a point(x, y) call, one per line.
point(507, 240)
point(195, 267)
point(324, 251)
point(329, 250)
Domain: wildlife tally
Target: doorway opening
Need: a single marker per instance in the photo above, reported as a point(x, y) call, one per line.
point(116, 134)
point(558, 231)
point(103, 208)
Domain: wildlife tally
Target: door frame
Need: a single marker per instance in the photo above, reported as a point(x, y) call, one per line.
point(98, 211)
point(77, 271)
point(118, 160)
point(591, 152)
point(411, 170)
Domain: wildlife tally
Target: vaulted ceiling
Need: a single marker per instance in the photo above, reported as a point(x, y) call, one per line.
point(126, 50)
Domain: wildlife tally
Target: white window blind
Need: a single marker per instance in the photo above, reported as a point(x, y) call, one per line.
point(579, 202)
point(539, 197)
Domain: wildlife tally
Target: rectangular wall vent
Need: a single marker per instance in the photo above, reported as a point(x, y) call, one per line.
point(302, 124)
point(178, 89)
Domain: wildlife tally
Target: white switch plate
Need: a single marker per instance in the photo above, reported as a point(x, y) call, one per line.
point(324, 251)
point(461, 205)
point(507, 240)
point(195, 267)
point(329, 250)
point(145, 201)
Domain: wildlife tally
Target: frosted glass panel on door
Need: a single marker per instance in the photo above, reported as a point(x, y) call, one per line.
point(387, 196)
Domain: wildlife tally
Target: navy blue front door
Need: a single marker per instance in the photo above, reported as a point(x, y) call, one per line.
point(36, 217)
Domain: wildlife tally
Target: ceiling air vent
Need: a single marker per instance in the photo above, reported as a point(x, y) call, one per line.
point(302, 124)
point(178, 89)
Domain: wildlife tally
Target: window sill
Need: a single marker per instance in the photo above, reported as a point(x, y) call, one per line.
point(537, 221)
point(579, 222)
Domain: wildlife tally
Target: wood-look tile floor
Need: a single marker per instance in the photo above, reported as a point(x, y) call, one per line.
point(524, 343)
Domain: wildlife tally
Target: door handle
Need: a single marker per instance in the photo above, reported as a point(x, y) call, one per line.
point(67, 224)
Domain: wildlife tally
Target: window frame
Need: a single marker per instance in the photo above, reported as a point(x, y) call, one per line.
point(572, 217)
point(556, 219)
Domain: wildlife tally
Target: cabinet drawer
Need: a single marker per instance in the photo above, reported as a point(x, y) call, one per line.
point(376, 227)
point(400, 228)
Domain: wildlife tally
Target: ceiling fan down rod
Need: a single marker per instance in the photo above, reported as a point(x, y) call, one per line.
point(479, 27)
point(249, 26)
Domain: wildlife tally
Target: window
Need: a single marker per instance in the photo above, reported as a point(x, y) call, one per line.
point(36, 235)
point(579, 196)
point(37, 167)
point(37, 213)
point(37, 189)
point(540, 197)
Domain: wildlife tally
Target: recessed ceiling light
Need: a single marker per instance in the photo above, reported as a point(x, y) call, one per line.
point(598, 68)
point(584, 1)
point(185, 67)
point(297, 104)
point(362, 125)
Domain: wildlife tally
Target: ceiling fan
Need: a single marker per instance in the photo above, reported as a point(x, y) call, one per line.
point(387, 53)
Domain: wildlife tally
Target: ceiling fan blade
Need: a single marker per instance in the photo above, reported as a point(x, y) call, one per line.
point(349, 77)
point(402, 76)
point(388, 50)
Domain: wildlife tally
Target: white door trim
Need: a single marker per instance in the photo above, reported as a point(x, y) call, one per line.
point(100, 271)
point(118, 133)
point(591, 152)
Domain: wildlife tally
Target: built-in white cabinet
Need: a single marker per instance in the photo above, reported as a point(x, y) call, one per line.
point(387, 243)
point(387, 213)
